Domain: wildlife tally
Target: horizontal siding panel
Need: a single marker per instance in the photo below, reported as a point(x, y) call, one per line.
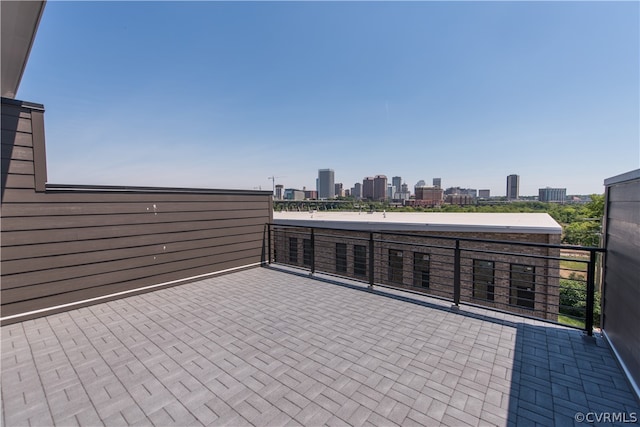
point(70, 235)
point(16, 152)
point(103, 273)
point(10, 112)
point(20, 124)
point(82, 221)
point(91, 257)
point(19, 181)
point(17, 138)
point(622, 233)
point(624, 192)
point(77, 247)
point(625, 211)
point(68, 209)
point(80, 295)
point(111, 276)
point(129, 197)
point(20, 167)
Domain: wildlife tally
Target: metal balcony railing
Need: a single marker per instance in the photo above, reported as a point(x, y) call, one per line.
point(555, 283)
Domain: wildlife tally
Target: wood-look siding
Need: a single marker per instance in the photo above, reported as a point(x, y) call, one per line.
point(66, 244)
point(621, 289)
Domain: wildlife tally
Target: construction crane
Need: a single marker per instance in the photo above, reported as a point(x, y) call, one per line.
point(273, 183)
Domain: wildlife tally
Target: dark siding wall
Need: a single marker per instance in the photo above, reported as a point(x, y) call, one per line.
point(72, 243)
point(621, 291)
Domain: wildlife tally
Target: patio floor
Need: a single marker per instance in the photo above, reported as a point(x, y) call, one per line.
point(268, 347)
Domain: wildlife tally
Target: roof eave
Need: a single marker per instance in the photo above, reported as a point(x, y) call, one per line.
point(20, 21)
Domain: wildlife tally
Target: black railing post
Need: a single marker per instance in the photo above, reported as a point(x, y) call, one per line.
point(313, 251)
point(591, 290)
point(269, 243)
point(371, 260)
point(456, 275)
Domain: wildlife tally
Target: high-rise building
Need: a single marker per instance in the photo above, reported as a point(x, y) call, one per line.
point(484, 194)
point(513, 187)
point(380, 187)
point(356, 191)
point(437, 182)
point(556, 195)
point(396, 181)
point(339, 191)
point(279, 189)
point(326, 184)
point(367, 188)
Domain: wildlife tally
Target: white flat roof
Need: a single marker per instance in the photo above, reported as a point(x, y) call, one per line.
point(536, 223)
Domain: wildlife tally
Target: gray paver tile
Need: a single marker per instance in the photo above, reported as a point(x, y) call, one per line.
point(256, 348)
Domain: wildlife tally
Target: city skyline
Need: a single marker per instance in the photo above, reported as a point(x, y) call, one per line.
point(234, 92)
point(423, 182)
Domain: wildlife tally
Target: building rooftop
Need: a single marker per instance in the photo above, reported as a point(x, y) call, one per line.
point(269, 347)
point(537, 223)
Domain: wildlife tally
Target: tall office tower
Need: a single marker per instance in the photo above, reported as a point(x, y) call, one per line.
point(396, 181)
point(380, 187)
point(437, 182)
point(326, 184)
point(390, 191)
point(513, 187)
point(279, 189)
point(367, 188)
point(339, 192)
point(357, 190)
point(556, 195)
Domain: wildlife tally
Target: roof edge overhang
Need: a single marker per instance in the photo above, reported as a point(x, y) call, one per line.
point(397, 227)
point(20, 21)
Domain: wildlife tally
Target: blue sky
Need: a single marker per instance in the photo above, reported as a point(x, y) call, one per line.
point(226, 94)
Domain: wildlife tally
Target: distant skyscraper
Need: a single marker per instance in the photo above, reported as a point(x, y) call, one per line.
point(380, 187)
point(556, 195)
point(390, 190)
point(437, 182)
point(396, 181)
point(513, 187)
point(326, 184)
point(279, 189)
point(357, 190)
point(367, 188)
point(339, 192)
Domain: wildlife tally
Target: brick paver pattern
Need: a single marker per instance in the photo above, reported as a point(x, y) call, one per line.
point(266, 347)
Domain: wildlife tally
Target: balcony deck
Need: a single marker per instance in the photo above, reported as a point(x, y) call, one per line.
point(267, 347)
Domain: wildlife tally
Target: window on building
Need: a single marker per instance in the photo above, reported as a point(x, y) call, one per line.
point(293, 250)
point(395, 266)
point(483, 279)
point(420, 270)
point(341, 257)
point(522, 285)
point(359, 260)
point(307, 252)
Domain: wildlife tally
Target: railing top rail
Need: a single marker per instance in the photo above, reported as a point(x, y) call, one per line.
point(452, 238)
